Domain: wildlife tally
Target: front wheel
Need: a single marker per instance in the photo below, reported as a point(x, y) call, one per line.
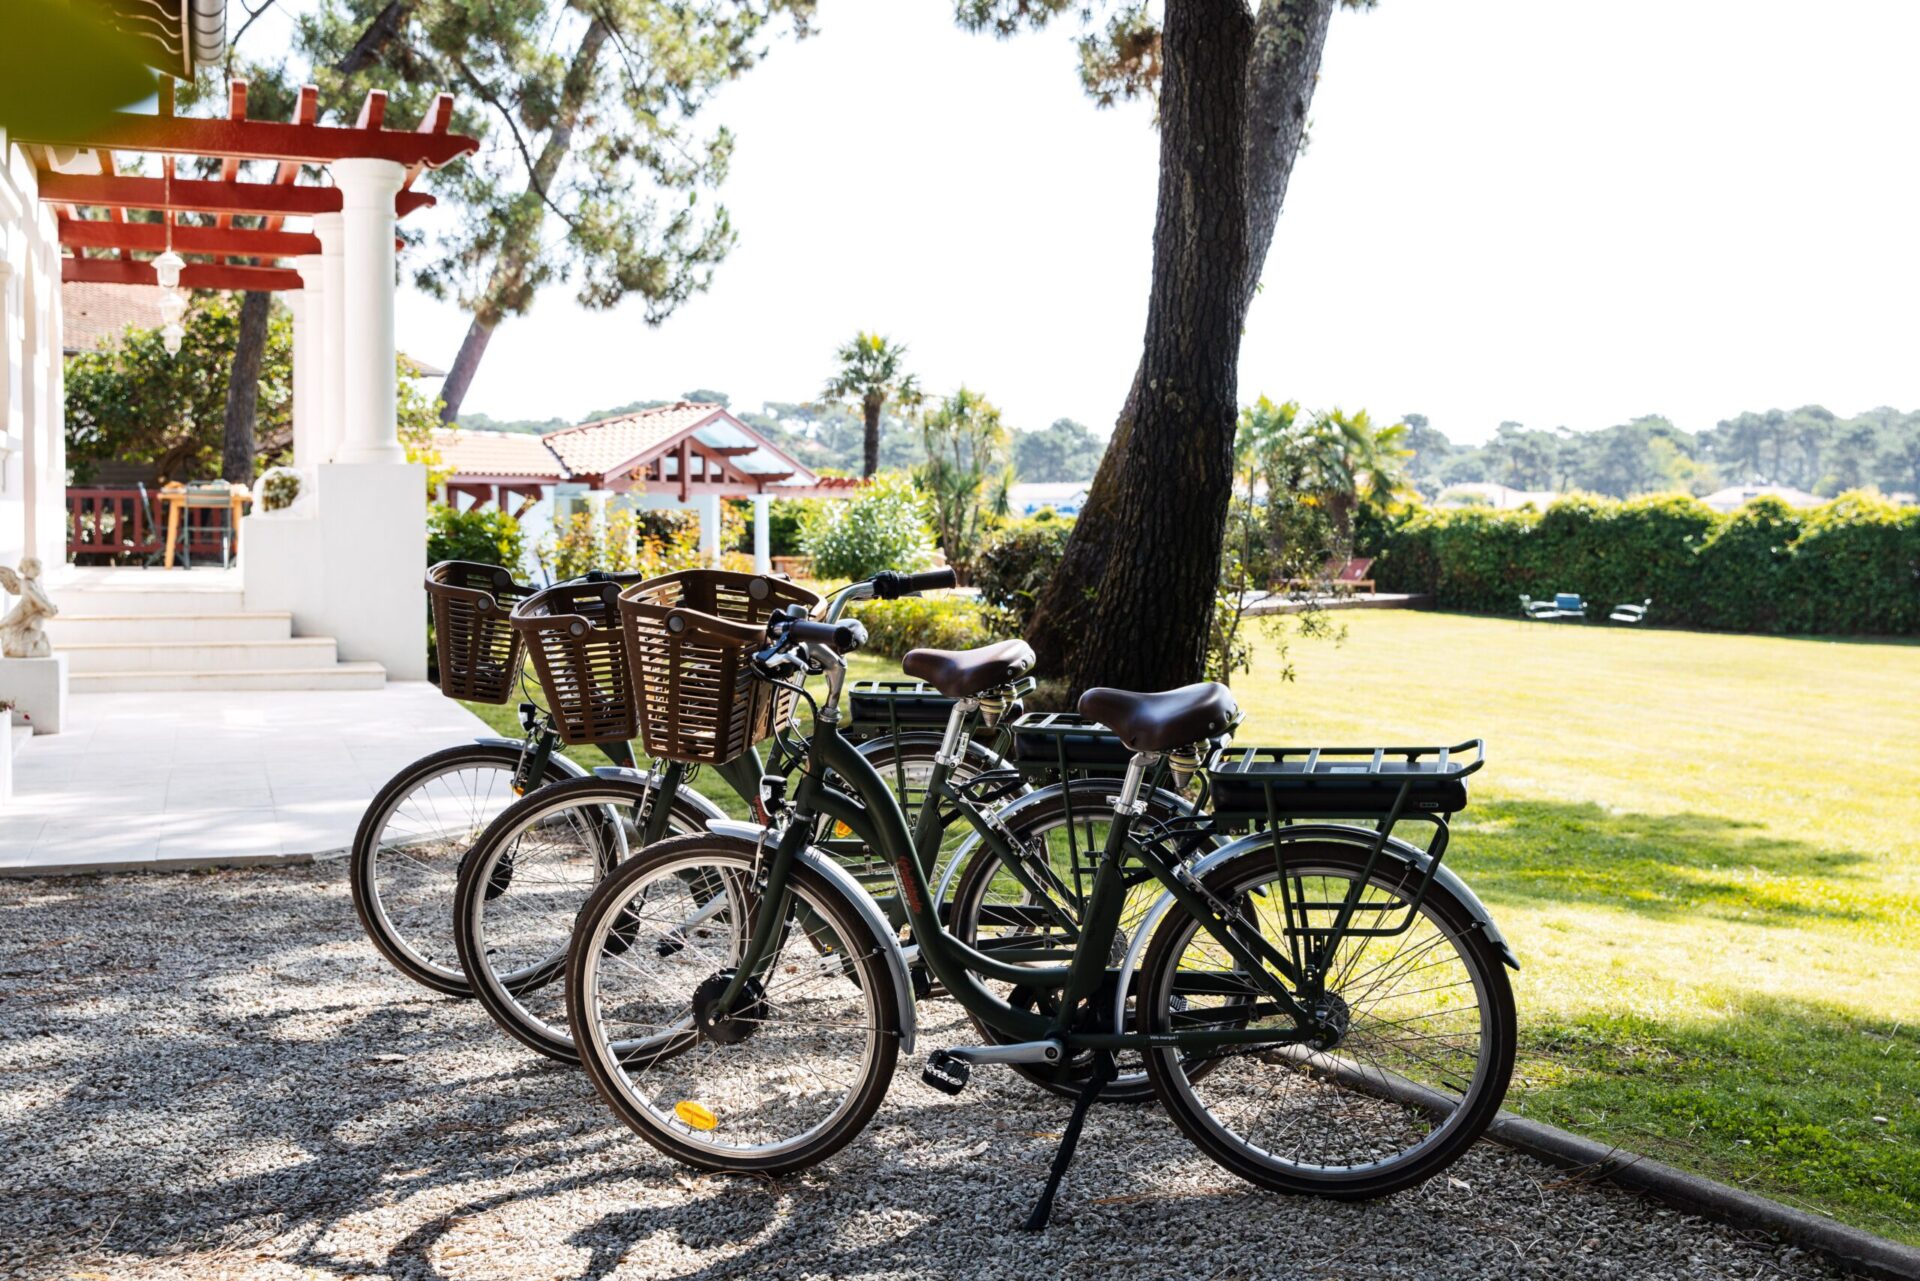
point(1415, 1029)
point(522, 885)
point(780, 1078)
point(407, 851)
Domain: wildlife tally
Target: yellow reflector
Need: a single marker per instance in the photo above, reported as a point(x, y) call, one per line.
point(841, 829)
point(694, 1115)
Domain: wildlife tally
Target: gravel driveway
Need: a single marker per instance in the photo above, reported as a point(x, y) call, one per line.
point(214, 1075)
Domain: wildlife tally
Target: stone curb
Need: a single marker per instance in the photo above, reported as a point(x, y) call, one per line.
point(1858, 1252)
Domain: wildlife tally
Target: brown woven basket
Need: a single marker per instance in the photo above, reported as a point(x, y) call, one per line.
point(699, 702)
point(579, 653)
point(479, 652)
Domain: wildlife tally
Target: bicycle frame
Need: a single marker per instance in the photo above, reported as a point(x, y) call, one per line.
point(868, 808)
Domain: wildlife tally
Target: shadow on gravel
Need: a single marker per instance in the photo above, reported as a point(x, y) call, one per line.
point(214, 1074)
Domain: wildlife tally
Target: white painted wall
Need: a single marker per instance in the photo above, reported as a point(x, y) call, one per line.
point(32, 432)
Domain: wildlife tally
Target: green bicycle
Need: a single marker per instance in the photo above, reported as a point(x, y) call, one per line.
point(1321, 1009)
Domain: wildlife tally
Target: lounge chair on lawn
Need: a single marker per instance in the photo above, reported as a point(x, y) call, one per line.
point(1337, 576)
point(1564, 608)
point(1630, 613)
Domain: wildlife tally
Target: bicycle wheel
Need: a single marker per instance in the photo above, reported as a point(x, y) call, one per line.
point(798, 1066)
point(1420, 1030)
point(406, 854)
point(991, 906)
point(522, 885)
point(906, 765)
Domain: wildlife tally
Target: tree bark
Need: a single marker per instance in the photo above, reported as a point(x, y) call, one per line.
point(870, 409)
point(515, 256)
point(243, 389)
point(1288, 39)
point(1146, 624)
point(373, 42)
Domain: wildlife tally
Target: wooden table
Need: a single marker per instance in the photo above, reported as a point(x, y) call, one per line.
point(174, 495)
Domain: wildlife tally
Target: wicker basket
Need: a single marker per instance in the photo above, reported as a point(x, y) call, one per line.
point(580, 654)
point(699, 702)
point(477, 648)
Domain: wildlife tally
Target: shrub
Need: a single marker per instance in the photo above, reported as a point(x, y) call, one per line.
point(489, 537)
point(1851, 566)
point(279, 489)
point(941, 622)
point(1018, 562)
point(883, 527)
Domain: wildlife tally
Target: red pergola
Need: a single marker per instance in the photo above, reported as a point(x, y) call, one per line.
point(222, 255)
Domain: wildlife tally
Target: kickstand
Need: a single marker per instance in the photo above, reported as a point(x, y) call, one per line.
point(1104, 1071)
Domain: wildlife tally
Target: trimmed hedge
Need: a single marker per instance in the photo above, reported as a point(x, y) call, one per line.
point(938, 622)
point(1849, 567)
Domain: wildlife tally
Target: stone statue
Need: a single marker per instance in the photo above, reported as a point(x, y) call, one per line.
point(21, 635)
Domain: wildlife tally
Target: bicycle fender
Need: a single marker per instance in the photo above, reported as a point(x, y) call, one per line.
point(566, 763)
point(1410, 855)
point(709, 812)
point(884, 937)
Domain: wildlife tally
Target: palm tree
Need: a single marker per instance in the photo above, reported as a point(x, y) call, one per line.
point(966, 474)
point(1355, 462)
point(870, 374)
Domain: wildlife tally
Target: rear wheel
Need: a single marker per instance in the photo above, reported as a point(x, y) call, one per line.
point(405, 862)
point(1416, 1029)
point(788, 1073)
point(522, 886)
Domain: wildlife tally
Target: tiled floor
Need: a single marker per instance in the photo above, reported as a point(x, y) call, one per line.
point(174, 779)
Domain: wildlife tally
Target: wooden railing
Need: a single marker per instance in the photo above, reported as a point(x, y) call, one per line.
point(122, 525)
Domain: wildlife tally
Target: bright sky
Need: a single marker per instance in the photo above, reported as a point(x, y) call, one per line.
point(1555, 213)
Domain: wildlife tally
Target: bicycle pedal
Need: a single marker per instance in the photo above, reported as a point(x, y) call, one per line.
point(946, 1072)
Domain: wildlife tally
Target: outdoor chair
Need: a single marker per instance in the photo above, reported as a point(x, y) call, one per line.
point(208, 496)
point(1336, 576)
point(1570, 607)
point(156, 529)
point(1563, 608)
point(1538, 611)
point(1631, 614)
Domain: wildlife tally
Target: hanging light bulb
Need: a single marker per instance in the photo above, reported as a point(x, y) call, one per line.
point(172, 307)
point(170, 337)
point(167, 268)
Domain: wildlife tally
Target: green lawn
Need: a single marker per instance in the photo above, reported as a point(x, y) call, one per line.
point(1706, 851)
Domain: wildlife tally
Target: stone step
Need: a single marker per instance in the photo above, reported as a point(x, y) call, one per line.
point(337, 676)
point(146, 601)
point(203, 656)
point(74, 628)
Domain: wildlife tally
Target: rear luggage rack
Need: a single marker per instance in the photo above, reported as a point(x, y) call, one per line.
point(886, 707)
point(1343, 782)
point(1065, 744)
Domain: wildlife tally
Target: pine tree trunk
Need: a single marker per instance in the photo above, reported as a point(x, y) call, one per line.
point(1280, 71)
point(509, 272)
point(870, 413)
point(460, 376)
point(1147, 622)
point(243, 389)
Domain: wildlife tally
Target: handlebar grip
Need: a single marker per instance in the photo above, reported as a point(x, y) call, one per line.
point(691, 622)
point(891, 586)
point(842, 637)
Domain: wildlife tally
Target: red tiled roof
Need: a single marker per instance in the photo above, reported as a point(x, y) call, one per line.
point(596, 448)
point(93, 315)
point(497, 453)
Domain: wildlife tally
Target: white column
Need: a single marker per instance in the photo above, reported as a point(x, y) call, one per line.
point(367, 189)
point(762, 539)
point(305, 303)
point(331, 334)
point(710, 529)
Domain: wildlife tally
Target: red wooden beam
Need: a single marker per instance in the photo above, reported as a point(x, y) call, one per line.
point(230, 167)
point(304, 113)
point(373, 112)
point(95, 233)
point(195, 275)
point(261, 140)
point(439, 116)
point(116, 213)
point(193, 195)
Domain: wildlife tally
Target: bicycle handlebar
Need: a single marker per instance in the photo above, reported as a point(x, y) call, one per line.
point(891, 586)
